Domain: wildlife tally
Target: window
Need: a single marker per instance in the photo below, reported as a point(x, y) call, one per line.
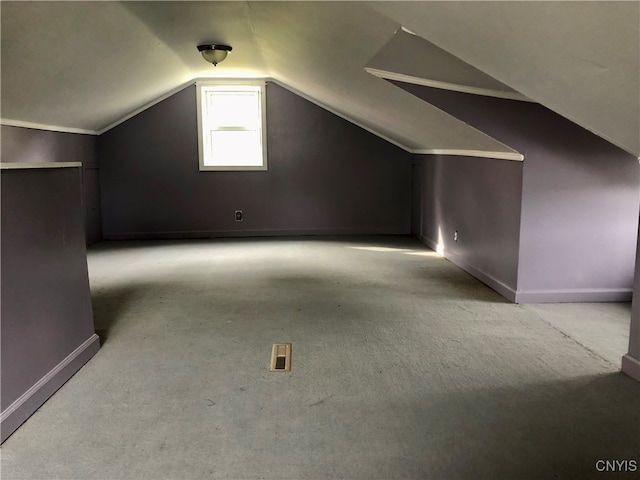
point(231, 130)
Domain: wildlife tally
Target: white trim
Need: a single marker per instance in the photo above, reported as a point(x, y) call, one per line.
point(53, 372)
point(41, 126)
point(575, 295)
point(212, 81)
point(24, 406)
point(513, 156)
point(489, 280)
point(485, 92)
point(244, 233)
point(406, 30)
point(631, 367)
point(401, 77)
point(147, 106)
point(37, 165)
point(252, 82)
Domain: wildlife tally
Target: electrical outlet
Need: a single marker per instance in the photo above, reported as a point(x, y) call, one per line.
point(455, 236)
point(238, 215)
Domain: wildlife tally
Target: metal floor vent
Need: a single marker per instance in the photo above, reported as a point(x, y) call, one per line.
point(280, 357)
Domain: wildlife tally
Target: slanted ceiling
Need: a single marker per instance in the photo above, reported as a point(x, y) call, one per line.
point(580, 59)
point(88, 65)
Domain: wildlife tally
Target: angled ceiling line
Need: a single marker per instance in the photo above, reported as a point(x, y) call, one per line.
point(42, 126)
point(426, 82)
point(146, 106)
point(339, 114)
point(586, 16)
point(513, 157)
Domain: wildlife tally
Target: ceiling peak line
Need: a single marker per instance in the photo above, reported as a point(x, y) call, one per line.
point(257, 38)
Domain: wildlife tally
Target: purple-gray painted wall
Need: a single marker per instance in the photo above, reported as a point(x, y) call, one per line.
point(631, 361)
point(634, 338)
point(28, 145)
point(326, 176)
point(480, 199)
point(46, 303)
point(580, 197)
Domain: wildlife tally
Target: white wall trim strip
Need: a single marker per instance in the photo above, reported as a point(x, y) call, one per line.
point(37, 165)
point(242, 233)
point(24, 406)
point(578, 295)
point(405, 29)
point(489, 280)
point(517, 157)
point(387, 75)
point(631, 367)
point(41, 126)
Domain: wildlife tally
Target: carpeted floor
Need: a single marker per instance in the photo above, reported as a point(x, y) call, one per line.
point(404, 366)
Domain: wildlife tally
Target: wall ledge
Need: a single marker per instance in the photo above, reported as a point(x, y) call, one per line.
point(631, 367)
point(37, 165)
point(42, 126)
point(427, 82)
point(489, 280)
point(21, 409)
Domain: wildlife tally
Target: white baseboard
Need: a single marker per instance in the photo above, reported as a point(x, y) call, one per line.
point(631, 367)
point(582, 295)
point(241, 233)
point(21, 409)
point(492, 282)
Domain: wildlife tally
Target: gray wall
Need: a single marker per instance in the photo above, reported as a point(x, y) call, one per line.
point(326, 176)
point(480, 198)
point(46, 304)
point(580, 197)
point(631, 361)
point(31, 145)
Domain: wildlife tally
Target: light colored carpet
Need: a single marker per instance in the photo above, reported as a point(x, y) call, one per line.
point(404, 366)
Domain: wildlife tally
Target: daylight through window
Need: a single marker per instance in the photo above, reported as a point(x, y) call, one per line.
point(231, 127)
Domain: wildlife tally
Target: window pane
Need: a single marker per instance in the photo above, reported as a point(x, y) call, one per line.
point(235, 148)
point(231, 131)
point(234, 109)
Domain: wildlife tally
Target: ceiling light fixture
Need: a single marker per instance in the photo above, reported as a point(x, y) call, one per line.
point(213, 53)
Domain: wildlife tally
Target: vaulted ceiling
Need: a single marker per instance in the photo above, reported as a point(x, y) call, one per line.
point(87, 65)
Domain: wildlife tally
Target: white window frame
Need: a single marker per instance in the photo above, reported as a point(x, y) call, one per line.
point(202, 86)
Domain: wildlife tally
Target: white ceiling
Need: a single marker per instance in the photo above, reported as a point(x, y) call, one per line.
point(86, 65)
point(578, 58)
point(410, 58)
